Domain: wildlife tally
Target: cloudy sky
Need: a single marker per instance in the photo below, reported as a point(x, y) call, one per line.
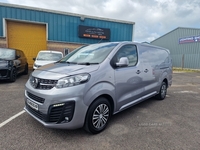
point(153, 18)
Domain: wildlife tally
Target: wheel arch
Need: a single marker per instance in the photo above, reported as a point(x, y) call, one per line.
point(103, 89)
point(109, 98)
point(166, 81)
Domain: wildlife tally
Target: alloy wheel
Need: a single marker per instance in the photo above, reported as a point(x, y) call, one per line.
point(100, 116)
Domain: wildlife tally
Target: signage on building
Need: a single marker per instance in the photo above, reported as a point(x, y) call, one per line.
point(191, 39)
point(94, 32)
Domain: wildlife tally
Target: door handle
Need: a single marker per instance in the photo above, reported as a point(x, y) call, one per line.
point(138, 71)
point(146, 70)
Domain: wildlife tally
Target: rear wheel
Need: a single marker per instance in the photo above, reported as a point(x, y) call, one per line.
point(13, 75)
point(98, 116)
point(163, 91)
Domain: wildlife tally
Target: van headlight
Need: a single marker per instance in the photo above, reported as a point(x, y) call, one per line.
point(37, 66)
point(72, 80)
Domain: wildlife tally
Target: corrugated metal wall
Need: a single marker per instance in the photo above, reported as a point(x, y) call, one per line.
point(185, 55)
point(62, 27)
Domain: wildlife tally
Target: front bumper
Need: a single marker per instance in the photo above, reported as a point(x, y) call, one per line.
point(4, 73)
point(57, 108)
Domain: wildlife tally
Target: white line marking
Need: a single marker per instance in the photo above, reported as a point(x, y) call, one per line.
point(11, 118)
point(192, 92)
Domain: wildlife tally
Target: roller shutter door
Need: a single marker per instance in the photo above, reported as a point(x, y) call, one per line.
point(29, 37)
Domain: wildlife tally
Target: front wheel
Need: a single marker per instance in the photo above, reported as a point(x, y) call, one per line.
point(13, 75)
point(163, 91)
point(98, 115)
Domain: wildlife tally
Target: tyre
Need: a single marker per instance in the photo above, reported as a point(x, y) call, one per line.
point(13, 75)
point(98, 116)
point(163, 91)
point(26, 70)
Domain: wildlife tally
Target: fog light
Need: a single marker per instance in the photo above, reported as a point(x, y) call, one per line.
point(67, 118)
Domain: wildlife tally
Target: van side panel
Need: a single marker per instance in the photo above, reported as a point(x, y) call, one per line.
point(102, 88)
point(157, 65)
point(101, 83)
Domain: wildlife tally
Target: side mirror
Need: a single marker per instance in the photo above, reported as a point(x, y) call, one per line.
point(34, 59)
point(123, 62)
point(18, 56)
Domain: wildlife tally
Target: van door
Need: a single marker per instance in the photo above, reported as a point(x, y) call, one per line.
point(150, 81)
point(128, 80)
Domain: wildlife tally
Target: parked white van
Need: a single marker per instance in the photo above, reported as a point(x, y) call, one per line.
point(92, 83)
point(45, 57)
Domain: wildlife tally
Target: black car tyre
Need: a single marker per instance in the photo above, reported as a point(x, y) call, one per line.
point(163, 91)
point(98, 116)
point(26, 70)
point(13, 75)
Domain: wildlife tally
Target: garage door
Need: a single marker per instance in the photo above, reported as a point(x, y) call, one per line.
point(29, 37)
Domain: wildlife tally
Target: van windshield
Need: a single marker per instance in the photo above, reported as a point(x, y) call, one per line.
point(44, 56)
point(7, 54)
point(91, 54)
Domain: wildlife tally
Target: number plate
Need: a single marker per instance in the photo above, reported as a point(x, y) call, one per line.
point(32, 104)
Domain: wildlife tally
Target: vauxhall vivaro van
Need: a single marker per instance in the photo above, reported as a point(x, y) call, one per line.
point(88, 86)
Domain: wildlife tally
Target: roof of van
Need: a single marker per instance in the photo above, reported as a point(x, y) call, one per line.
point(49, 51)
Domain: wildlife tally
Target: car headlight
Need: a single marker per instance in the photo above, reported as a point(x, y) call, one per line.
point(35, 65)
point(73, 80)
point(10, 62)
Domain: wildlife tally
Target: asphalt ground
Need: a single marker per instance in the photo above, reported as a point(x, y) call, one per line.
point(171, 124)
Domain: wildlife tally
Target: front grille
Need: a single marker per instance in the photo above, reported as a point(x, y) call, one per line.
point(46, 84)
point(3, 72)
point(36, 98)
point(37, 114)
point(58, 114)
point(43, 84)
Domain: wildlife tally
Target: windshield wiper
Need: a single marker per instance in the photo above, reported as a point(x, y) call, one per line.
point(87, 63)
point(68, 62)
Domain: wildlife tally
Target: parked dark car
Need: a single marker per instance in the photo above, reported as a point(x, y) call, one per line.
point(12, 63)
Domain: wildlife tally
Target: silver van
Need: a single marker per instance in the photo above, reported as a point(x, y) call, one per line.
point(89, 85)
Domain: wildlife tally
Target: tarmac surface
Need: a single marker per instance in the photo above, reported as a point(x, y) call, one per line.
point(173, 123)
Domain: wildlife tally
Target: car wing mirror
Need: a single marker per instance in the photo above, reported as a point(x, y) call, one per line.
point(123, 62)
point(18, 56)
point(34, 59)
